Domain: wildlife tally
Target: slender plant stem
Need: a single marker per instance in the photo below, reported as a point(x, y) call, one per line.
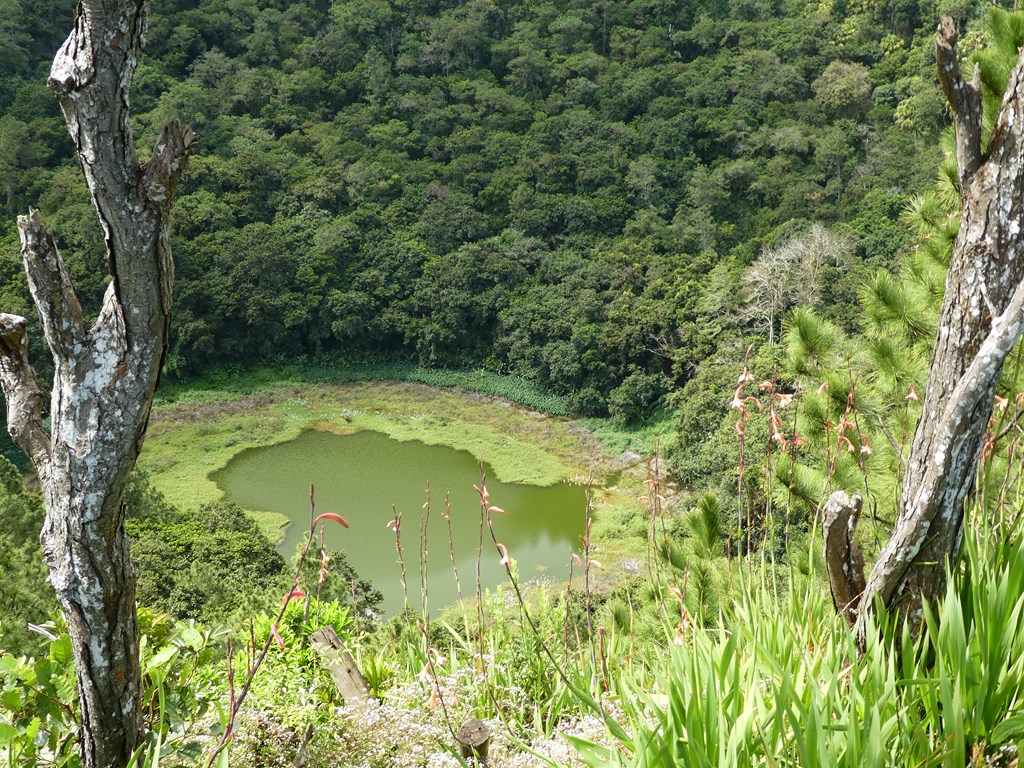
point(254, 666)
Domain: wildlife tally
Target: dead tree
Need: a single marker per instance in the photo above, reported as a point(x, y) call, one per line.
point(105, 374)
point(981, 320)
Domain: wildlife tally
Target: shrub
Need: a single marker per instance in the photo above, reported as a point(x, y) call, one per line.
point(636, 398)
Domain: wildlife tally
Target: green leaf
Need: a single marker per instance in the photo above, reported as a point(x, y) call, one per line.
point(1011, 729)
point(8, 733)
point(192, 637)
point(161, 657)
point(8, 663)
point(13, 699)
point(592, 754)
point(44, 672)
point(60, 649)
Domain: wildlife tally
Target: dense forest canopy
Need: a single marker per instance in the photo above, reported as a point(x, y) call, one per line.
point(568, 192)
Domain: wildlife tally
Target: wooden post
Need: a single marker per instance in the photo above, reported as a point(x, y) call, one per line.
point(300, 754)
point(342, 666)
point(474, 738)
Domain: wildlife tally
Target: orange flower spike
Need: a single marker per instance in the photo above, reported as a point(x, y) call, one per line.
point(331, 516)
point(766, 386)
point(784, 400)
point(912, 395)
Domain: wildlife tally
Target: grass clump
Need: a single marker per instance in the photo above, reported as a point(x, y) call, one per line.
point(782, 682)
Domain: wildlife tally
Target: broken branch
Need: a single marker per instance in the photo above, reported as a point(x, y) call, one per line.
point(170, 156)
point(964, 98)
point(25, 400)
point(50, 284)
point(843, 559)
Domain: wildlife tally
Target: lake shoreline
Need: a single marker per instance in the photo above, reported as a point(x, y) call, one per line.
point(370, 478)
point(201, 430)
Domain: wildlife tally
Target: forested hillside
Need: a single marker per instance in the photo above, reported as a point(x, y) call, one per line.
point(568, 192)
point(728, 224)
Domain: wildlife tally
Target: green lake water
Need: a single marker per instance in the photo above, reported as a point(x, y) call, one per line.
point(362, 475)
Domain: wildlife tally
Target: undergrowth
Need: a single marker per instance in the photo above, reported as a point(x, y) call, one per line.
point(762, 672)
point(719, 646)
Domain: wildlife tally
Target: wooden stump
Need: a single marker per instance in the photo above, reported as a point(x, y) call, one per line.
point(342, 666)
point(844, 561)
point(474, 738)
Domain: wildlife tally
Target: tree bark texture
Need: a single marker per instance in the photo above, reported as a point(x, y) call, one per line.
point(982, 318)
point(844, 561)
point(105, 374)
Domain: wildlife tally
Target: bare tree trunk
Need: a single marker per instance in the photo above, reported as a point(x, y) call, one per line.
point(982, 318)
point(105, 375)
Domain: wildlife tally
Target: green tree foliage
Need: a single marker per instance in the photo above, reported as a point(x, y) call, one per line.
point(844, 89)
point(334, 579)
point(859, 392)
point(213, 563)
point(540, 189)
point(25, 597)
point(198, 564)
